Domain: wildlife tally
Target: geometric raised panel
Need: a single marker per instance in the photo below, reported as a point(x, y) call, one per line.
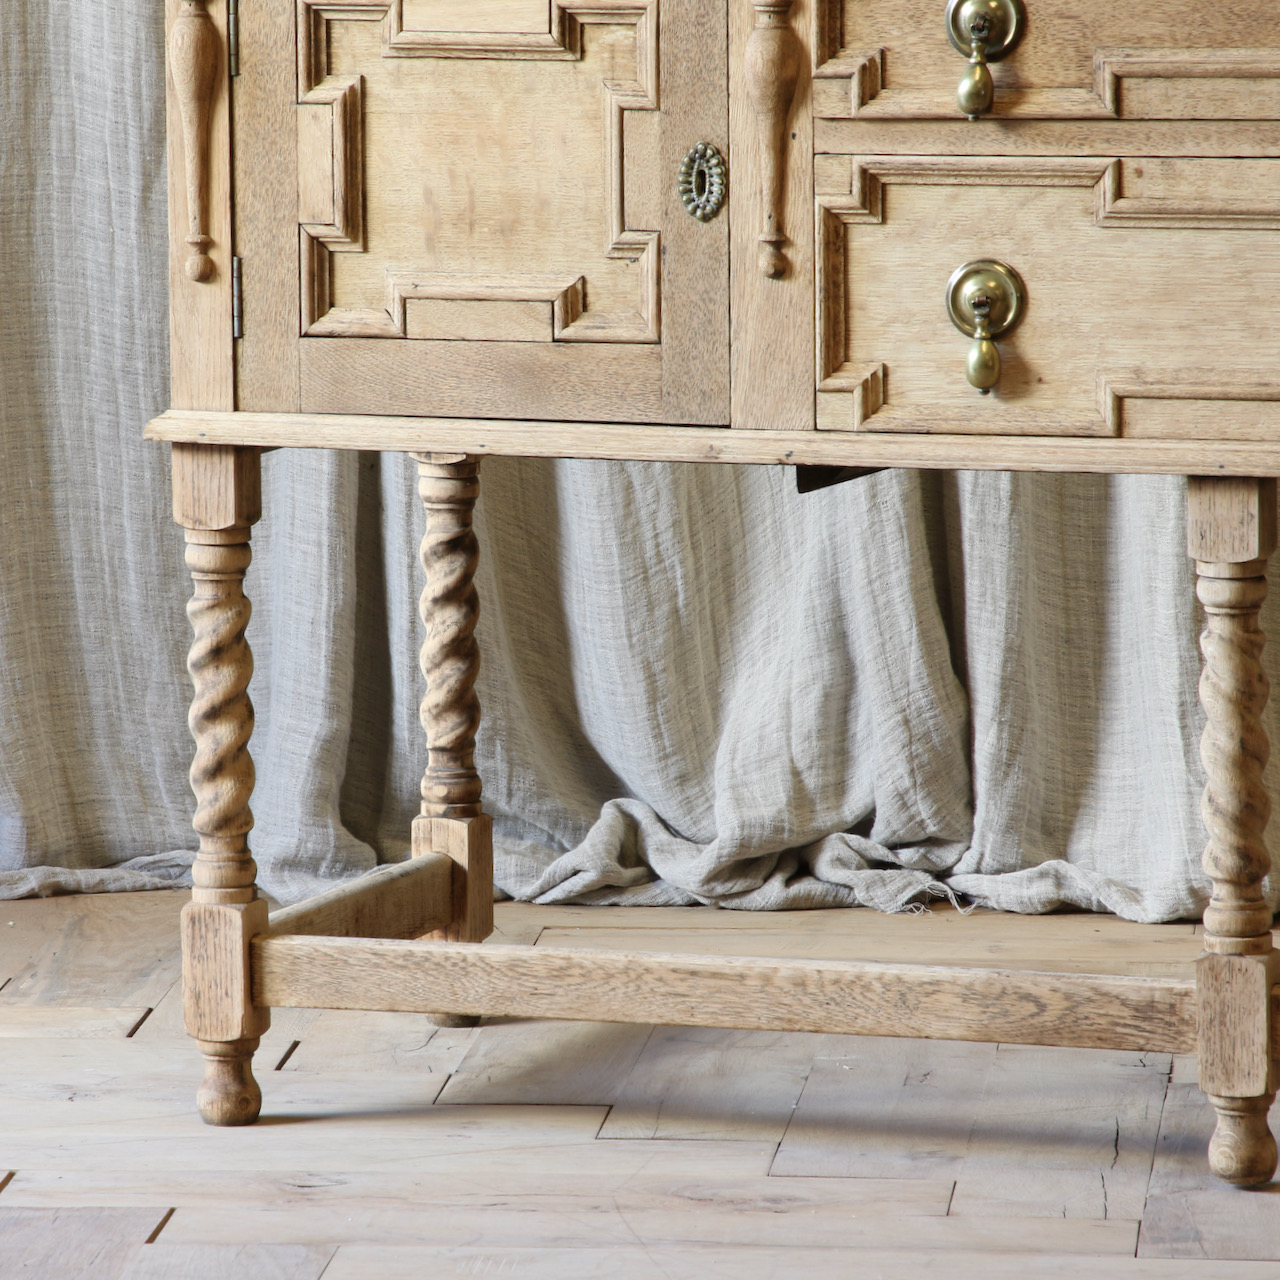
point(480, 194)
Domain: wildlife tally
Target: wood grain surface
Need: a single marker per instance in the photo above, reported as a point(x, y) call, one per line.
point(558, 439)
point(720, 991)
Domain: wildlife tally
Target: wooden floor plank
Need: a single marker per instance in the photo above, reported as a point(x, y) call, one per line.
point(72, 1244)
point(167, 1261)
point(1063, 1133)
point(287, 1027)
point(68, 1022)
point(360, 1262)
point(546, 1062)
point(1025, 1131)
point(1066, 943)
point(350, 1040)
point(608, 1166)
point(91, 949)
point(131, 1106)
point(892, 1109)
point(735, 1213)
point(1170, 955)
point(507, 1176)
point(578, 1211)
point(699, 1082)
point(1189, 1214)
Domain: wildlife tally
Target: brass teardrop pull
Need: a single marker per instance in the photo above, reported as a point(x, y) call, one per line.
point(984, 300)
point(977, 90)
point(984, 31)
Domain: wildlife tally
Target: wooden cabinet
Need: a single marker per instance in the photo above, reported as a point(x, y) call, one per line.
point(471, 210)
point(457, 228)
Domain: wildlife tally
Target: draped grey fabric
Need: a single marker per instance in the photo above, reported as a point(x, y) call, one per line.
point(698, 684)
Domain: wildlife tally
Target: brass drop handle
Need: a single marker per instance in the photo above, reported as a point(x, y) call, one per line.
point(984, 31)
point(985, 299)
point(977, 90)
point(983, 366)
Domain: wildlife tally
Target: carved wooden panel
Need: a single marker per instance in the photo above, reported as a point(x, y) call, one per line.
point(470, 208)
point(472, 185)
point(1162, 60)
point(1151, 290)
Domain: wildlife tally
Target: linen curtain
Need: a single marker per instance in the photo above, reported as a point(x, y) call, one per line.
point(699, 685)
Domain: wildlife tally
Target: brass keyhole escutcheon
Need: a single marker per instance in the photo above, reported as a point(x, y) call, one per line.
point(984, 31)
point(985, 299)
point(702, 181)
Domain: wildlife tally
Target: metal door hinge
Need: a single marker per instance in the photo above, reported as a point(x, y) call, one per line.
point(237, 303)
point(233, 37)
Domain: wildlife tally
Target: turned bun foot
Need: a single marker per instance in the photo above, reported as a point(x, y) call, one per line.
point(1242, 1150)
point(229, 1094)
point(453, 1019)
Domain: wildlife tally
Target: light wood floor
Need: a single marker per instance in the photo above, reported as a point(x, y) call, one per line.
point(577, 1151)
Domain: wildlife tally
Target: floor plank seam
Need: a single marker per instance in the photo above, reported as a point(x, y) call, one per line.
point(1146, 1194)
point(137, 1026)
point(160, 1226)
point(288, 1053)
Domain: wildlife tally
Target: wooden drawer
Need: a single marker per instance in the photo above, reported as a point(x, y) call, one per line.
point(1153, 294)
point(1077, 59)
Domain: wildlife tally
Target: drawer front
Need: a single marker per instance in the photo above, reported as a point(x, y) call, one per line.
point(1152, 294)
point(1076, 59)
point(485, 218)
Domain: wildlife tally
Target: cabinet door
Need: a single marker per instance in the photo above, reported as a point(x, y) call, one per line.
point(470, 208)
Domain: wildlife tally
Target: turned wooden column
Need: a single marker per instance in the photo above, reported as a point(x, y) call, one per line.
point(1231, 532)
point(452, 821)
point(217, 498)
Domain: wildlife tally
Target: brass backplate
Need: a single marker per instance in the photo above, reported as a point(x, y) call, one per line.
point(999, 283)
point(1008, 21)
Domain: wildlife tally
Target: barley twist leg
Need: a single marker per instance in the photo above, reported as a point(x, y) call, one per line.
point(1231, 531)
point(450, 658)
point(452, 821)
point(1236, 807)
point(216, 499)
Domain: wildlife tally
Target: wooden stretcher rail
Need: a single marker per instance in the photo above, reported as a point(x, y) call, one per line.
point(404, 900)
point(720, 444)
point(1081, 1010)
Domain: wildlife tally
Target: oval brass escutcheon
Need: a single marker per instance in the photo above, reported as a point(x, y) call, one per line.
point(703, 181)
point(985, 299)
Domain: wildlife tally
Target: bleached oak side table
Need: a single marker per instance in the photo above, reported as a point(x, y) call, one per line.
point(853, 234)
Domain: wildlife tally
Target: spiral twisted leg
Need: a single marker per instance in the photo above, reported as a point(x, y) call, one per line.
point(1234, 750)
point(221, 719)
point(216, 499)
point(450, 658)
point(452, 821)
point(224, 911)
point(1231, 532)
